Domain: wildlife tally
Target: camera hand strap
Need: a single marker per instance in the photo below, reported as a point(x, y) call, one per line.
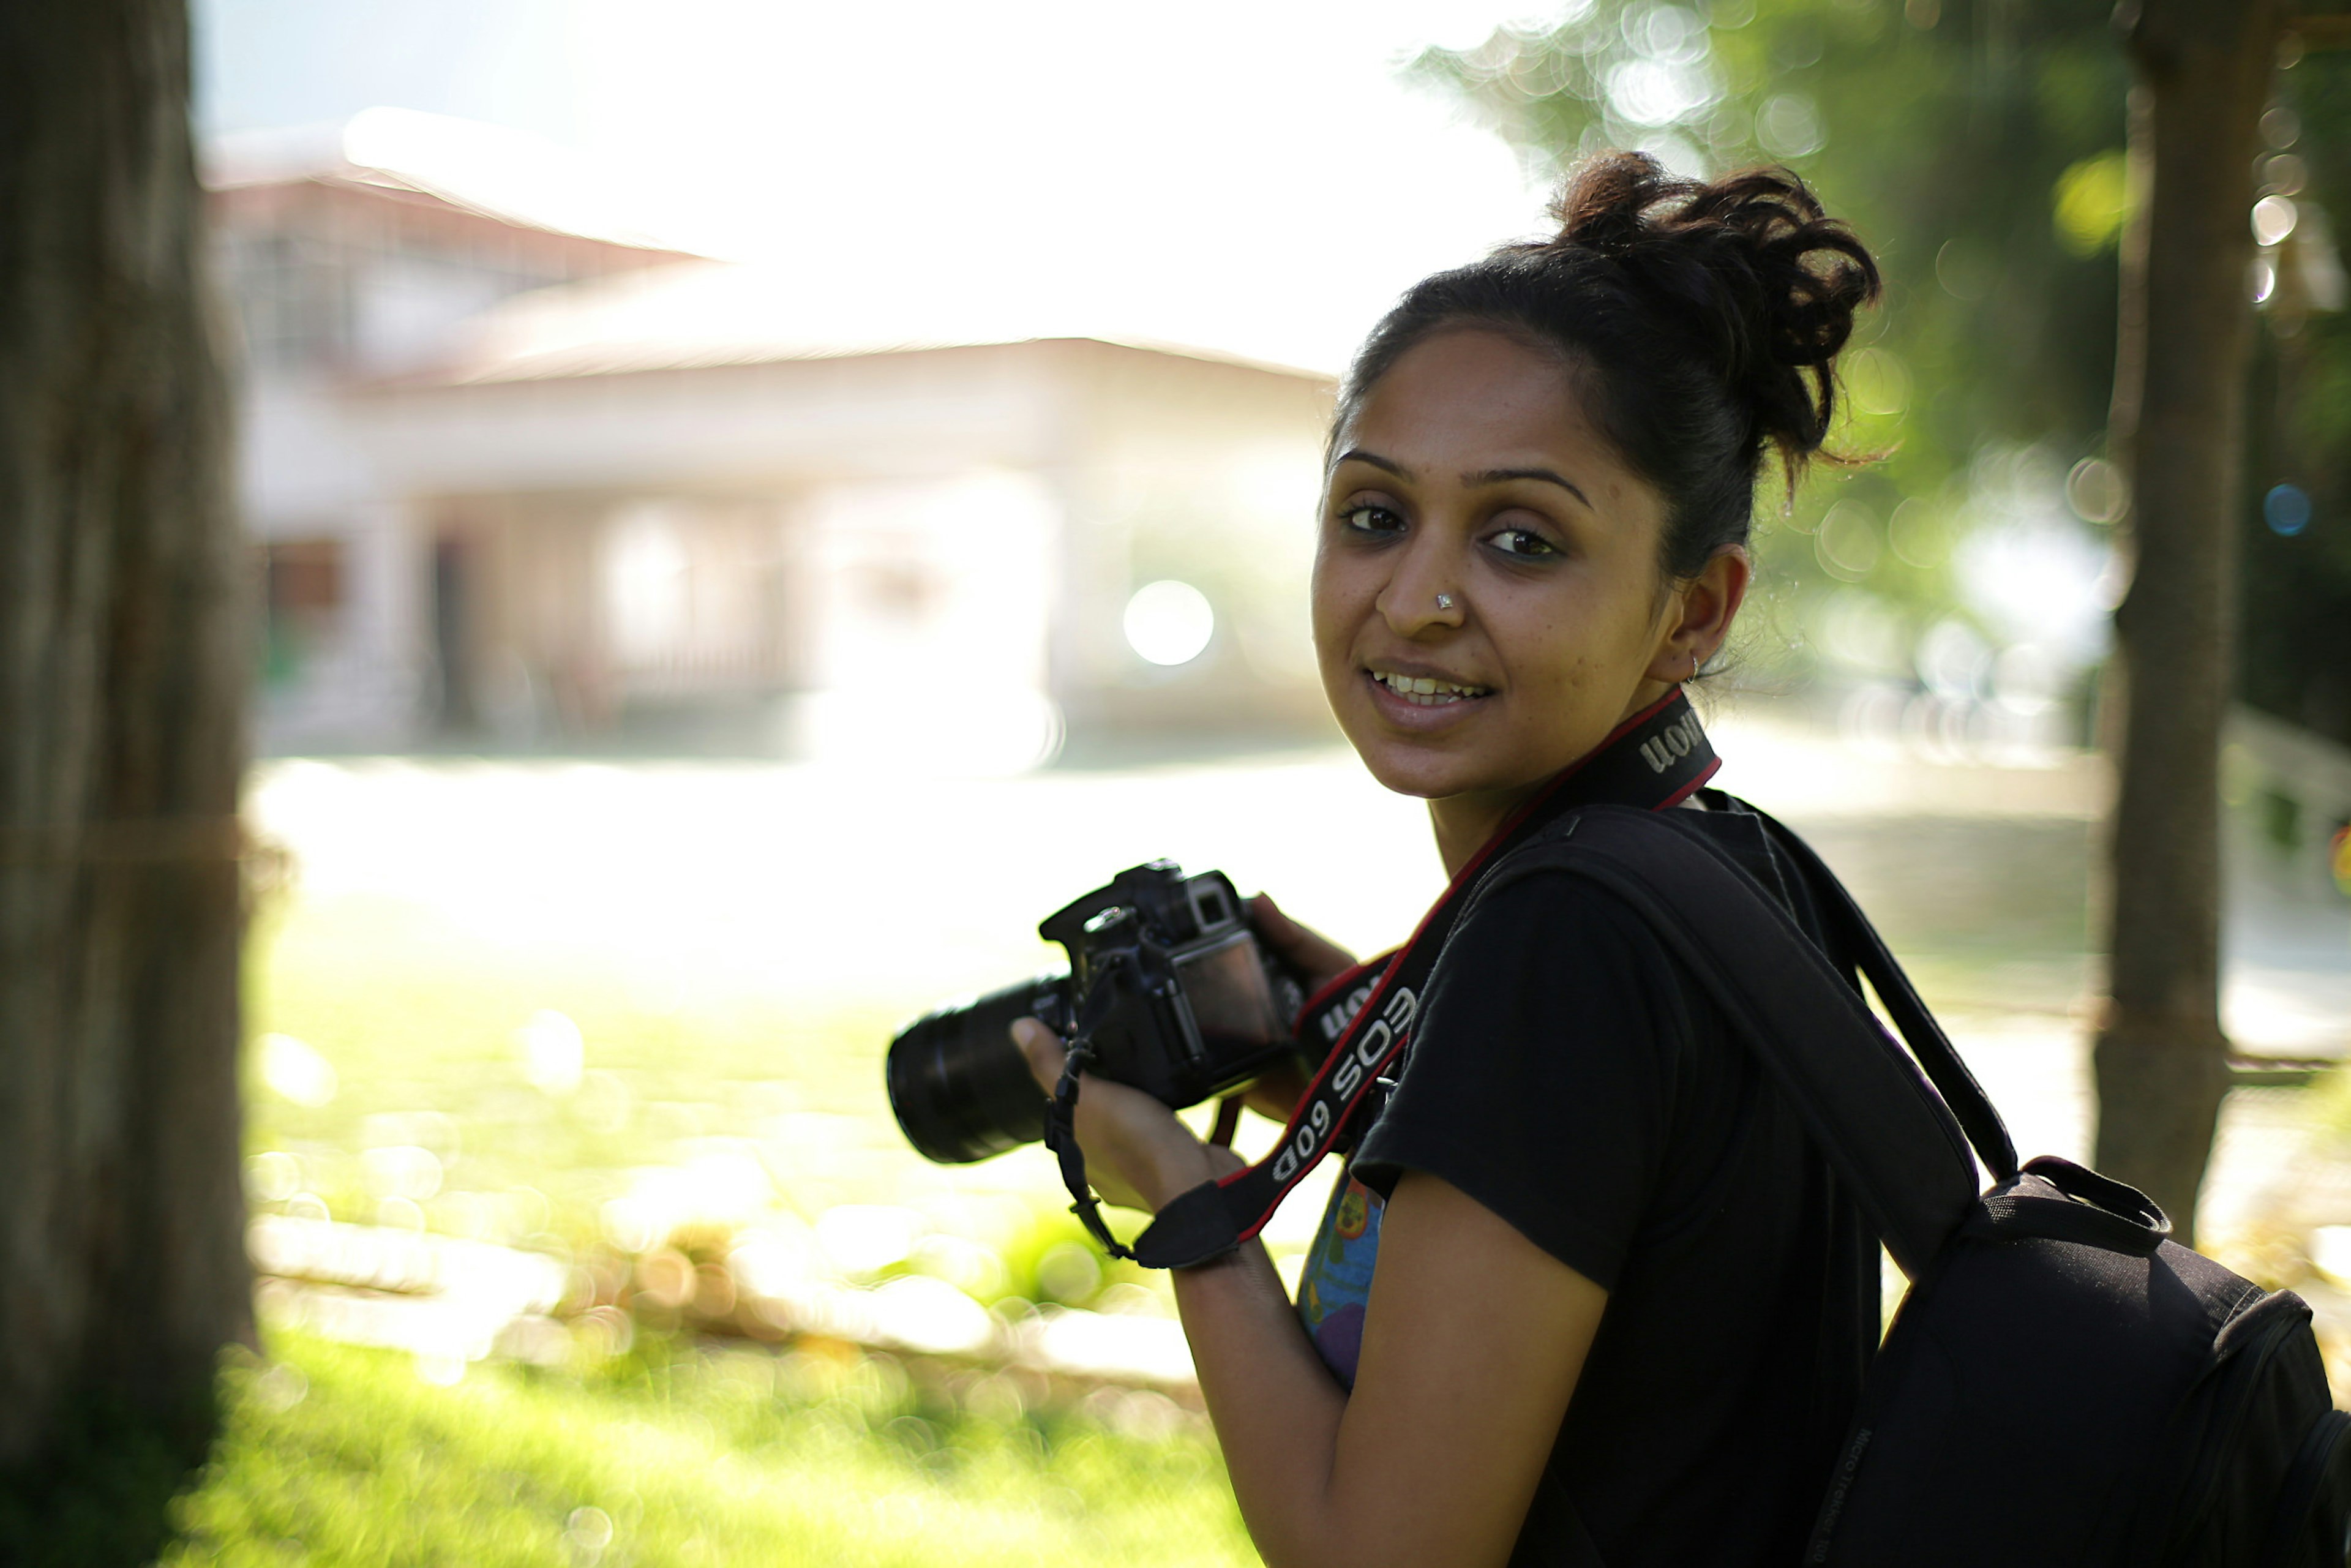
point(1363, 1018)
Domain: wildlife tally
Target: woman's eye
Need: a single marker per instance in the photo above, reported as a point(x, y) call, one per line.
point(1370, 519)
point(1523, 541)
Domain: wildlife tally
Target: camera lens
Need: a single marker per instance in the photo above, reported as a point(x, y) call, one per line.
point(960, 1088)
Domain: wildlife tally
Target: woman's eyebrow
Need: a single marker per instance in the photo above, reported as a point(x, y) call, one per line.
point(1359, 455)
point(1486, 476)
point(1500, 476)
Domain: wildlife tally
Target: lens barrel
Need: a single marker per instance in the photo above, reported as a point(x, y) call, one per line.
point(960, 1088)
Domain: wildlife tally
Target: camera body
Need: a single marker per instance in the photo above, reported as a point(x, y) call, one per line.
point(1166, 982)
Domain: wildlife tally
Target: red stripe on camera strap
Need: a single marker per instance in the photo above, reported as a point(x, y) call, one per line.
point(1655, 760)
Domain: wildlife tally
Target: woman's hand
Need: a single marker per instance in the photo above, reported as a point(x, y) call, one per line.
point(1317, 958)
point(1318, 961)
point(1138, 1155)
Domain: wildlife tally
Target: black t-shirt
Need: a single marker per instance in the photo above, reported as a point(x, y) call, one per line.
point(1569, 1073)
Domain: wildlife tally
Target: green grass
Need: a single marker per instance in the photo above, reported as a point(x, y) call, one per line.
point(687, 1453)
point(422, 1037)
point(345, 1457)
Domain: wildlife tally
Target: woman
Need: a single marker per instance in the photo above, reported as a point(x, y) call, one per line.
point(1620, 1309)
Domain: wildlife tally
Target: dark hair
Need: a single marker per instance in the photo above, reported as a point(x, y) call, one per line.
point(1699, 320)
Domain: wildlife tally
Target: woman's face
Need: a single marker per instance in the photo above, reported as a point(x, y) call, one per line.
point(1488, 602)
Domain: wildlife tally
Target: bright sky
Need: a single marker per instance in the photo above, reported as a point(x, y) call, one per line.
point(1252, 175)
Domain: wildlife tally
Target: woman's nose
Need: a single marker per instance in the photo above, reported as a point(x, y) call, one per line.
point(1424, 593)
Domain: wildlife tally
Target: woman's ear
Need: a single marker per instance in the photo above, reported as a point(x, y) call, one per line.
point(1699, 613)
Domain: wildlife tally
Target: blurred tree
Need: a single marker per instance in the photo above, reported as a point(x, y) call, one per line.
point(122, 674)
point(2203, 76)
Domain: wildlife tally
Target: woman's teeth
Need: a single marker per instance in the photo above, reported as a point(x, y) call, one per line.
point(1422, 692)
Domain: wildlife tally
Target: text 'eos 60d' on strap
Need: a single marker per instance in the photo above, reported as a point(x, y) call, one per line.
point(1655, 760)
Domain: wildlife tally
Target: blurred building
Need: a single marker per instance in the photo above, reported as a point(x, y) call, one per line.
point(529, 479)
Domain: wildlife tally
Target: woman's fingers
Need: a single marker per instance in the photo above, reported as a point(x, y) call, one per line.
point(1044, 1049)
point(1276, 1093)
point(1309, 951)
point(1137, 1152)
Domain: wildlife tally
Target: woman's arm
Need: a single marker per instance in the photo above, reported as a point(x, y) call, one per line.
point(1473, 1341)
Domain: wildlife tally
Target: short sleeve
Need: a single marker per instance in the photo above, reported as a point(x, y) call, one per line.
point(1543, 1071)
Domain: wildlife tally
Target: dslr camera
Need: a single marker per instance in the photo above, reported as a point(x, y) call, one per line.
point(1166, 981)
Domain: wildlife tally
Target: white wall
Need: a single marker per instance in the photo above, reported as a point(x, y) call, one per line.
point(929, 604)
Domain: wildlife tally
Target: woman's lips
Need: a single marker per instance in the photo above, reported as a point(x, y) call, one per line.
point(1422, 711)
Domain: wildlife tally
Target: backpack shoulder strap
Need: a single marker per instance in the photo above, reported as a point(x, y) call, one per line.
point(1944, 1068)
point(1880, 1123)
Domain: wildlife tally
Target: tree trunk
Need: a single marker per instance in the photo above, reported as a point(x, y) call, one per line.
point(122, 676)
point(2202, 75)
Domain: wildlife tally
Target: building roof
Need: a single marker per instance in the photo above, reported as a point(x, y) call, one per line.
point(644, 305)
point(693, 314)
point(510, 177)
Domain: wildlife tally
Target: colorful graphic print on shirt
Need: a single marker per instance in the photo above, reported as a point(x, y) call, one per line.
point(1336, 1282)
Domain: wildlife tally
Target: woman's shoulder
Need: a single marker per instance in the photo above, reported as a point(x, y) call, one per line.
point(1561, 1063)
point(1542, 909)
point(1539, 942)
point(1541, 950)
point(1525, 886)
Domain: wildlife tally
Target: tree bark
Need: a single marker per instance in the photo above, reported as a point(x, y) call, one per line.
point(2202, 74)
point(122, 678)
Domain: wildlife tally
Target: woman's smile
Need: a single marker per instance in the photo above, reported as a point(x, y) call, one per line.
point(1422, 698)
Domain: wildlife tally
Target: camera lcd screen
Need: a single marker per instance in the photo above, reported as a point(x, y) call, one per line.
point(1230, 1001)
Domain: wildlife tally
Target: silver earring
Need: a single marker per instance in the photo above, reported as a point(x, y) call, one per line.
point(1445, 601)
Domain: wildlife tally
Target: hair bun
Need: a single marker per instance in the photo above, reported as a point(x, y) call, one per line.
point(1764, 282)
point(1698, 323)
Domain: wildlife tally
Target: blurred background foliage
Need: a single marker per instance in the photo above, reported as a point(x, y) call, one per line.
point(1977, 146)
point(2295, 657)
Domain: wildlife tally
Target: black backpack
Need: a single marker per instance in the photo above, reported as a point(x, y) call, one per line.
point(2062, 1384)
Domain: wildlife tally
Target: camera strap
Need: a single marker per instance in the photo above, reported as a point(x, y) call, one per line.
point(1362, 1020)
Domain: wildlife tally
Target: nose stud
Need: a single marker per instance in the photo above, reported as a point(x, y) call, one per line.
point(1445, 601)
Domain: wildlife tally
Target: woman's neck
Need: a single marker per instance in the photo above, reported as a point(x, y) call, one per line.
point(1464, 822)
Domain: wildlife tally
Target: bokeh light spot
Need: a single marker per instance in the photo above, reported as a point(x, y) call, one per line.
point(589, 1530)
point(2273, 218)
point(294, 1070)
point(2095, 490)
point(273, 1176)
point(1850, 542)
point(2092, 200)
point(1964, 270)
point(1788, 126)
point(1068, 1272)
point(2286, 509)
point(554, 1052)
point(1169, 623)
point(1878, 382)
point(1918, 535)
